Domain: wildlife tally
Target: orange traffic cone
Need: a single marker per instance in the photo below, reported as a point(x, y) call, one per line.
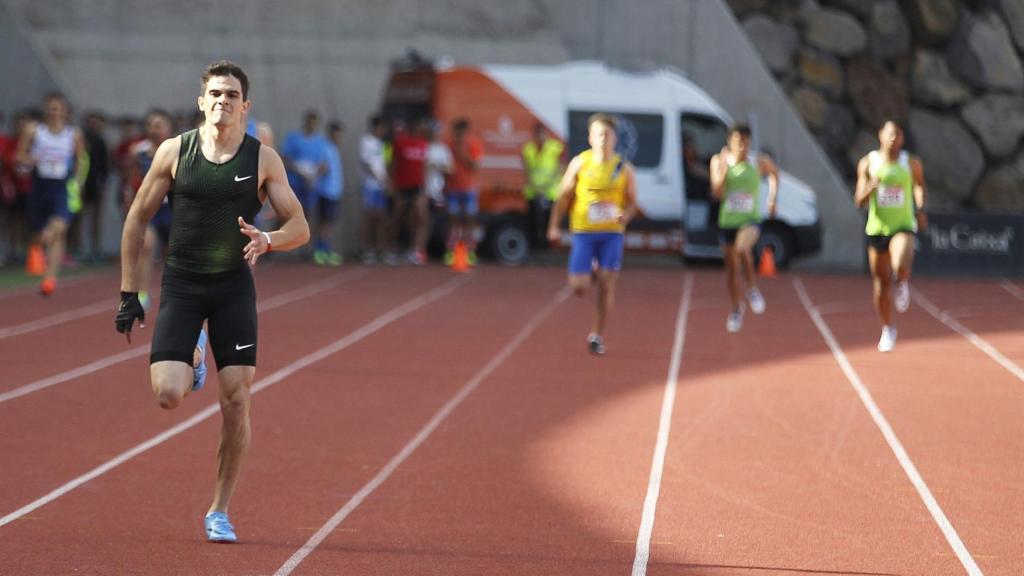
point(35, 264)
point(767, 266)
point(460, 259)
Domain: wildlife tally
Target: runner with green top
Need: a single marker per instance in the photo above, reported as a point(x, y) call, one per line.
point(891, 183)
point(736, 176)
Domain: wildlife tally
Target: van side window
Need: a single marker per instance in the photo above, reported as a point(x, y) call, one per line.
point(640, 136)
point(701, 138)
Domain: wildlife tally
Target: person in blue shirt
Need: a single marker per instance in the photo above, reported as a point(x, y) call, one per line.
point(329, 189)
point(305, 155)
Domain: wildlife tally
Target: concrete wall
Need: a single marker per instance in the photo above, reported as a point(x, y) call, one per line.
point(26, 77)
point(333, 55)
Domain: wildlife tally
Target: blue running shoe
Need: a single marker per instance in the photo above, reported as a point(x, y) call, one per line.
point(219, 528)
point(199, 372)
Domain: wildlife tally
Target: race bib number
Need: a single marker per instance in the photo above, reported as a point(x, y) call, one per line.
point(740, 202)
point(890, 197)
point(602, 213)
point(52, 170)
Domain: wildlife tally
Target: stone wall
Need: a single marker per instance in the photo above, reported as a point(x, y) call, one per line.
point(950, 70)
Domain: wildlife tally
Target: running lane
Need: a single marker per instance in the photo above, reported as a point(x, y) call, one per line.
point(956, 410)
point(773, 464)
point(53, 435)
point(318, 435)
point(543, 469)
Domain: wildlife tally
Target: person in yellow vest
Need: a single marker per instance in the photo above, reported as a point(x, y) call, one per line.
point(890, 182)
point(601, 188)
point(542, 162)
point(736, 175)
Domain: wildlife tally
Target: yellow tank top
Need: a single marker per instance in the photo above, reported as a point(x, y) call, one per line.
point(600, 194)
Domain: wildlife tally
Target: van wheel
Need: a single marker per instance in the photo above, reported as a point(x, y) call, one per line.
point(781, 240)
point(509, 244)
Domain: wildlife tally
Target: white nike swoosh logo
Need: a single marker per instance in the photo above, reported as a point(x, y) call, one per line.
point(237, 179)
point(237, 347)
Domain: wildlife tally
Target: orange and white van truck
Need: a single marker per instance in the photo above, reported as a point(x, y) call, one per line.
point(660, 115)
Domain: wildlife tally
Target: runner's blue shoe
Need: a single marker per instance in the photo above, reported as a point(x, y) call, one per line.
point(219, 528)
point(199, 372)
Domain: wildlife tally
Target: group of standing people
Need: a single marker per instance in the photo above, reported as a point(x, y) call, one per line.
point(409, 173)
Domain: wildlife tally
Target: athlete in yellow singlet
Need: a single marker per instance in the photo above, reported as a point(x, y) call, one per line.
point(601, 188)
point(890, 182)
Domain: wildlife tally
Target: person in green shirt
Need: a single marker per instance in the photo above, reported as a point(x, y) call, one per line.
point(890, 182)
point(736, 174)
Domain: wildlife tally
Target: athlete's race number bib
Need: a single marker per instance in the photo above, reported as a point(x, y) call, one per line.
point(890, 197)
point(740, 202)
point(52, 170)
point(602, 213)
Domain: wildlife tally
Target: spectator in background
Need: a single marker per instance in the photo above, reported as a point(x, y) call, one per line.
point(8, 194)
point(462, 199)
point(438, 165)
point(305, 155)
point(130, 135)
point(542, 161)
point(329, 190)
point(51, 150)
point(373, 169)
point(410, 202)
point(16, 229)
point(95, 184)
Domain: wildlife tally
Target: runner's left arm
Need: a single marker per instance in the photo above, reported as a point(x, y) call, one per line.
point(294, 230)
point(629, 207)
point(767, 166)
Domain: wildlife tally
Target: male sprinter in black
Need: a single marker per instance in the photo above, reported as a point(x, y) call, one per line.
point(217, 178)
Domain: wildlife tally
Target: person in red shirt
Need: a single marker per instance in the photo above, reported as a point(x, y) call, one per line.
point(462, 194)
point(410, 203)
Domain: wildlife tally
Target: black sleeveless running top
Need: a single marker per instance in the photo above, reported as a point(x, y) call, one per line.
point(206, 201)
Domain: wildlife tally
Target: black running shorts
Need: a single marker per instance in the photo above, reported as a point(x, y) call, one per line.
point(881, 243)
point(226, 300)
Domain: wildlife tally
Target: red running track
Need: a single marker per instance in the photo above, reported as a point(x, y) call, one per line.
point(773, 463)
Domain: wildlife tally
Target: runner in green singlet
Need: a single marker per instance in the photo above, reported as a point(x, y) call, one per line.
point(891, 183)
point(736, 182)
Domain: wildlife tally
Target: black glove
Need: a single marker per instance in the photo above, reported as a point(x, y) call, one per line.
point(129, 309)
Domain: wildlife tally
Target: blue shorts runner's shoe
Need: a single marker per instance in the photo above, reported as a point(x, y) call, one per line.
point(219, 528)
point(199, 372)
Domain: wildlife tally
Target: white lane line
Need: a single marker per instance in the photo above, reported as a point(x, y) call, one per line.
point(1012, 289)
point(964, 331)
point(421, 436)
point(108, 305)
point(889, 434)
point(643, 539)
point(269, 304)
point(338, 345)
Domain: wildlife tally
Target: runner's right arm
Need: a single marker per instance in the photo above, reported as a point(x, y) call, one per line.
point(865, 185)
point(561, 206)
point(155, 186)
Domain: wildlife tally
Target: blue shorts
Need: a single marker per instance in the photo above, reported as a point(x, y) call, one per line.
point(328, 209)
point(304, 194)
point(374, 198)
point(49, 198)
point(604, 247)
point(462, 203)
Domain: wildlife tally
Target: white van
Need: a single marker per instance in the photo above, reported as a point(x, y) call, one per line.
point(656, 112)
